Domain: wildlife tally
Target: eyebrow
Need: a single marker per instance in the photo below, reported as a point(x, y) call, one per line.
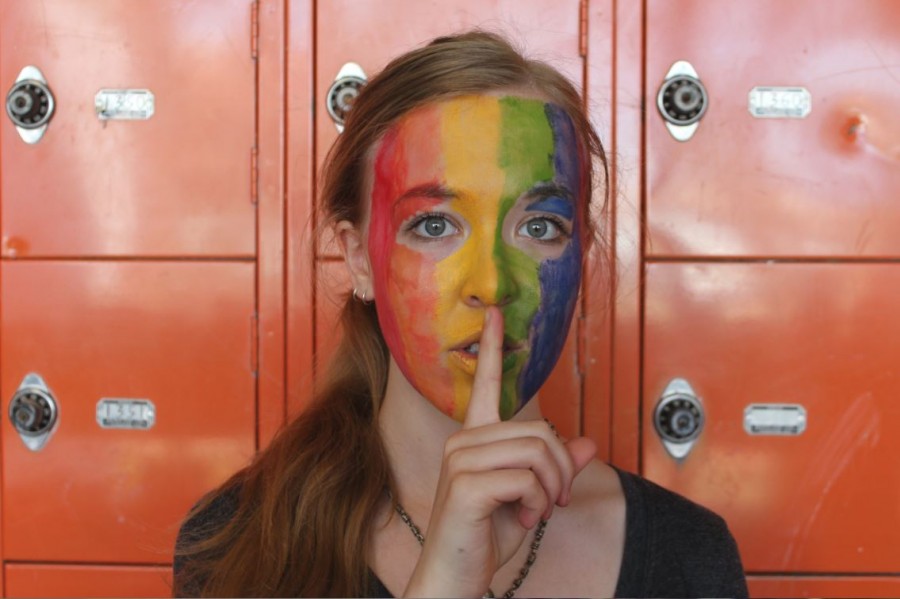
point(433, 191)
point(551, 197)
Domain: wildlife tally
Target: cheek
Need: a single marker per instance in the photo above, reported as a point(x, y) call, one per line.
point(406, 303)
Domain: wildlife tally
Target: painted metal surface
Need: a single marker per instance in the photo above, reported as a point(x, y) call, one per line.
point(37, 580)
point(820, 186)
point(595, 349)
point(824, 336)
point(176, 184)
point(299, 179)
point(626, 102)
point(824, 586)
point(176, 333)
point(272, 204)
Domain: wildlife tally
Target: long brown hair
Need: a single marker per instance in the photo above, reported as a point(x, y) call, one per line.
point(299, 518)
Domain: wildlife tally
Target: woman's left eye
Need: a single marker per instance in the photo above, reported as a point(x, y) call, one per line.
point(542, 229)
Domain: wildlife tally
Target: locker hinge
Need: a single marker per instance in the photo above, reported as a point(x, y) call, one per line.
point(254, 344)
point(580, 345)
point(254, 175)
point(583, 28)
point(254, 29)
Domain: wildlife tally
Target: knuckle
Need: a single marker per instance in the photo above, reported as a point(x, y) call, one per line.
point(452, 444)
point(454, 462)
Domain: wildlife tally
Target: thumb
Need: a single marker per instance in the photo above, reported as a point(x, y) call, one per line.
point(582, 450)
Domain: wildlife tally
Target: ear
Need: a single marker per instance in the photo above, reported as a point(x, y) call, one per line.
point(356, 257)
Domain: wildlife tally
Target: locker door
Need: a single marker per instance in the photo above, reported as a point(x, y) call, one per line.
point(817, 494)
point(148, 149)
point(773, 183)
point(115, 478)
point(370, 33)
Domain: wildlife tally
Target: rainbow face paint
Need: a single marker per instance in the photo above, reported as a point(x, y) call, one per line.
point(475, 201)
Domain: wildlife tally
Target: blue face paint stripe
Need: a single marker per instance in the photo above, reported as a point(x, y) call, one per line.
point(560, 279)
point(553, 205)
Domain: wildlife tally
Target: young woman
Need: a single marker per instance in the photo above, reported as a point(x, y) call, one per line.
point(460, 195)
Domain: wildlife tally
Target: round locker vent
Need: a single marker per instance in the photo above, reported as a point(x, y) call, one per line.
point(29, 104)
point(682, 100)
point(32, 411)
point(679, 418)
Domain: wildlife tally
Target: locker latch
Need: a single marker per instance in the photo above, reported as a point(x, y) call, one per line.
point(682, 100)
point(33, 412)
point(29, 104)
point(678, 418)
point(350, 79)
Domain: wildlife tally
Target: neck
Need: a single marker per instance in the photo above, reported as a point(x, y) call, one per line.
point(414, 432)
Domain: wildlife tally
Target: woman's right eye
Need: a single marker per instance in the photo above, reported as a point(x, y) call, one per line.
point(433, 226)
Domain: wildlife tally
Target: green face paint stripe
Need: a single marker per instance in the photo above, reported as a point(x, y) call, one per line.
point(523, 127)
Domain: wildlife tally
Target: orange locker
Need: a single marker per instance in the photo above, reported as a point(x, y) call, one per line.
point(796, 153)
point(149, 368)
point(813, 488)
point(149, 146)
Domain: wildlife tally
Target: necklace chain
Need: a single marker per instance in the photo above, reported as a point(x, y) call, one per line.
point(523, 571)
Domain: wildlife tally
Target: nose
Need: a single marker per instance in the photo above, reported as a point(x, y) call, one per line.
point(490, 278)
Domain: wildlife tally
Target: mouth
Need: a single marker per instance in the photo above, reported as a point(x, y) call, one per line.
point(466, 353)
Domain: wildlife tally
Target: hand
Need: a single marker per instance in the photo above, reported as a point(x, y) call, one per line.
point(498, 480)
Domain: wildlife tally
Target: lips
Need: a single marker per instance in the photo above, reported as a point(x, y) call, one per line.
point(464, 355)
point(473, 343)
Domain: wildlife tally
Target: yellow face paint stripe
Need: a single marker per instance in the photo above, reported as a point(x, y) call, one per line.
point(466, 128)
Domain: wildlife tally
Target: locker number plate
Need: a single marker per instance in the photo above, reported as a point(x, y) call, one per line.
point(124, 104)
point(139, 414)
point(774, 419)
point(779, 102)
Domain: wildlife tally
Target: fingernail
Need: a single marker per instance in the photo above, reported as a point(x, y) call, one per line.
point(487, 317)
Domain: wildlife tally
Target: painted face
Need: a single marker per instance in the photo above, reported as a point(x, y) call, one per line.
point(475, 201)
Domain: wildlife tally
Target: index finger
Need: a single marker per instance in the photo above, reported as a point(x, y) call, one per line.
point(484, 404)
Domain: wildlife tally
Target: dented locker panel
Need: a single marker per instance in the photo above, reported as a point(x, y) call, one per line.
point(821, 336)
point(822, 185)
point(367, 33)
point(177, 334)
point(39, 580)
point(176, 183)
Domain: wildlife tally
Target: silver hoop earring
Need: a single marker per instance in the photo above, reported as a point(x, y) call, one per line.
point(365, 293)
point(355, 294)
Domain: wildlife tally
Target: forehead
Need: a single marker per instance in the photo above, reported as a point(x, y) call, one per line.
point(475, 144)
